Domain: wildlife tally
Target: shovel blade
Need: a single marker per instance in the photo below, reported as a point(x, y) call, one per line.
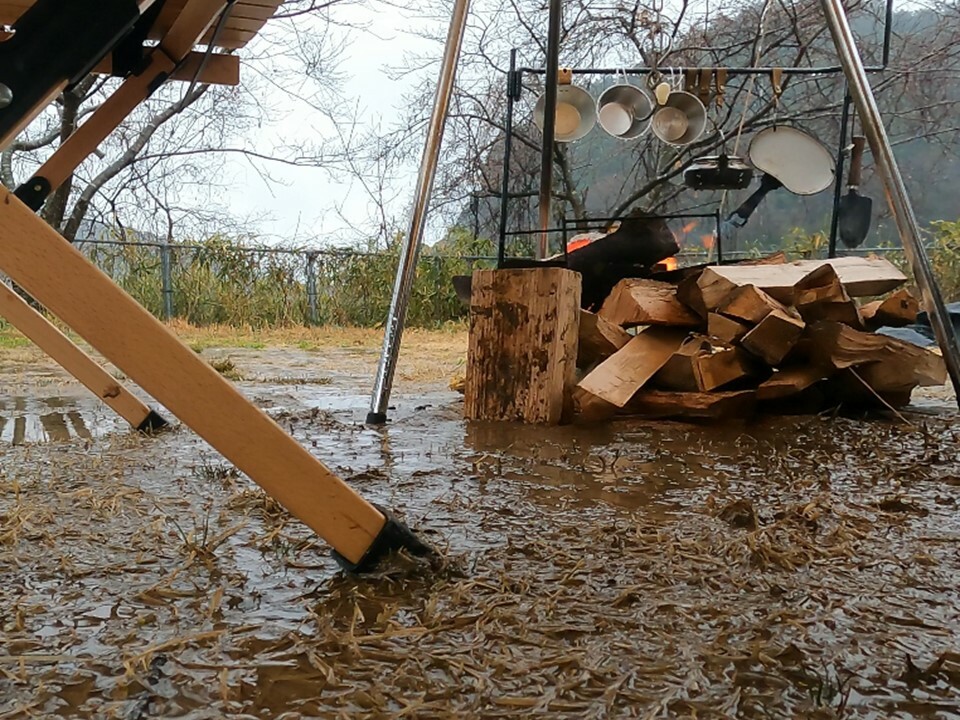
point(854, 215)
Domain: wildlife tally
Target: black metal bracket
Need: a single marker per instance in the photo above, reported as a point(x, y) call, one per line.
point(394, 536)
point(34, 192)
point(129, 56)
point(55, 43)
point(153, 423)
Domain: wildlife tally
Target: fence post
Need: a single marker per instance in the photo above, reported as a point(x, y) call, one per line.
point(167, 280)
point(314, 316)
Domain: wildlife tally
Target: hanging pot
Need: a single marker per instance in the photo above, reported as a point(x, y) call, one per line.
point(681, 120)
point(624, 109)
point(718, 172)
point(576, 110)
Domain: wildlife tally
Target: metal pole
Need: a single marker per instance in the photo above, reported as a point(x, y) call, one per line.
point(167, 281)
point(411, 246)
point(514, 88)
point(838, 185)
point(549, 124)
point(314, 315)
point(894, 188)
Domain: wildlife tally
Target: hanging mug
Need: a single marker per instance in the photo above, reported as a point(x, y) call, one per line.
point(576, 110)
point(681, 120)
point(624, 109)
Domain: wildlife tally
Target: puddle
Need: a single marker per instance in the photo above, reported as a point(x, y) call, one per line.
point(27, 420)
point(790, 567)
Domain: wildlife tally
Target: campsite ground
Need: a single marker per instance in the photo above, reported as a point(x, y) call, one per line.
point(779, 568)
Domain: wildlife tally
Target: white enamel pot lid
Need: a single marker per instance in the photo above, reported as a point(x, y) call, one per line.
point(799, 161)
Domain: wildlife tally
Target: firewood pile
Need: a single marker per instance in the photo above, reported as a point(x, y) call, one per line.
point(762, 336)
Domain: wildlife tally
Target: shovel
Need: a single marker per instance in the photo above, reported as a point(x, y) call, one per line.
point(854, 210)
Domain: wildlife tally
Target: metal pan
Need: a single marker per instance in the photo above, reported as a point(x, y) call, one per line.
point(800, 162)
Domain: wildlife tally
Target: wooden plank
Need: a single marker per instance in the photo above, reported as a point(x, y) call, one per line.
point(860, 276)
point(521, 363)
point(246, 20)
point(647, 302)
point(599, 339)
point(618, 378)
point(774, 337)
point(66, 283)
point(219, 70)
point(75, 361)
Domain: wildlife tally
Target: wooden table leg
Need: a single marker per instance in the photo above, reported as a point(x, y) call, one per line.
point(75, 361)
point(66, 283)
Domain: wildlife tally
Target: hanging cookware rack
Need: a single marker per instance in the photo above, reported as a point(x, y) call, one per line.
point(515, 89)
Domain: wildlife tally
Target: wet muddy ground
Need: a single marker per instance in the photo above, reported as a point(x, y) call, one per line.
point(794, 567)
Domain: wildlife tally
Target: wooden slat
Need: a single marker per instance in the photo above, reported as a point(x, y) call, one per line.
point(246, 19)
point(219, 70)
point(71, 358)
point(54, 272)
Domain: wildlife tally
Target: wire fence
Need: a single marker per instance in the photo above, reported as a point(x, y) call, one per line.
point(221, 282)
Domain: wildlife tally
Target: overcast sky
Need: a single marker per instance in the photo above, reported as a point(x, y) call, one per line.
point(302, 206)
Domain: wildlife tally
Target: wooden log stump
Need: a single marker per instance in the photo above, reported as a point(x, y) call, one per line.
point(524, 330)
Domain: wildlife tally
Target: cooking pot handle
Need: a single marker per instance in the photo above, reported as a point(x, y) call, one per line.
point(738, 218)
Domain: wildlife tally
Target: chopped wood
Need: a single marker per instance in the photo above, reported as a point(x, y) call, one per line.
point(522, 354)
point(791, 381)
point(900, 364)
point(619, 377)
point(713, 289)
point(898, 310)
point(693, 405)
point(588, 408)
point(702, 365)
point(690, 294)
point(722, 366)
point(678, 372)
point(750, 304)
point(774, 337)
point(821, 296)
point(860, 277)
point(726, 329)
point(647, 302)
point(599, 339)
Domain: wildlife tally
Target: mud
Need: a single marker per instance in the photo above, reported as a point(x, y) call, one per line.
point(802, 567)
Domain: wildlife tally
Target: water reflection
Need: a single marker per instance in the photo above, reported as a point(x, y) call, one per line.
point(39, 420)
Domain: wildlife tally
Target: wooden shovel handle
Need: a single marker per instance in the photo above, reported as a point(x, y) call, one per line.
point(856, 160)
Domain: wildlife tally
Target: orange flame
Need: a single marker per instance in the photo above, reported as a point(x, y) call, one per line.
point(671, 263)
point(708, 241)
point(688, 227)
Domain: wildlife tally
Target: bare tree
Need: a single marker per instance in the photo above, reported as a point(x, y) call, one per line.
point(159, 170)
point(604, 176)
